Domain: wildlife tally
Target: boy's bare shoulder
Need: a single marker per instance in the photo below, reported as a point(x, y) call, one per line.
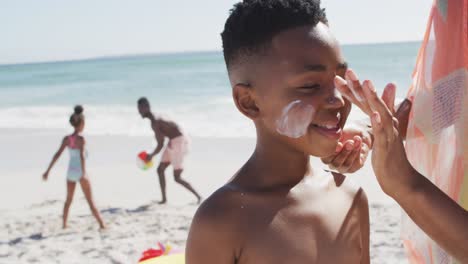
point(216, 225)
point(222, 206)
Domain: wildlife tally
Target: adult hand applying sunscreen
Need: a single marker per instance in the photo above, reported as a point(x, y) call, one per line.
point(441, 218)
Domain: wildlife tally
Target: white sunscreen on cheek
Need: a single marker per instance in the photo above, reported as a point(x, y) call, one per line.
point(295, 119)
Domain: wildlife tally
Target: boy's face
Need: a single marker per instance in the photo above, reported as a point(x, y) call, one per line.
point(144, 110)
point(295, 93)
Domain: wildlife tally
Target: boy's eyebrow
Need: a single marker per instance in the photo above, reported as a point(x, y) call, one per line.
point(320, 67)
point(315, 67)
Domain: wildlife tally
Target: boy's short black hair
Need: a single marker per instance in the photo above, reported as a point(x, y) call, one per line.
point(143, 101)
point(252, 24)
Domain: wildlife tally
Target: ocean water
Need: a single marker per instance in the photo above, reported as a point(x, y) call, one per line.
point(191, 88)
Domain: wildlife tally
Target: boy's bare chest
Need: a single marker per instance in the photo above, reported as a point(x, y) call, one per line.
point(320, 231)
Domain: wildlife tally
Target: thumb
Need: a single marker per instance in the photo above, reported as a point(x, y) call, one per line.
point(402, 114)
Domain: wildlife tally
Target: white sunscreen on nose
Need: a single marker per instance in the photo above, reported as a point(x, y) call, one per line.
point(295, 119)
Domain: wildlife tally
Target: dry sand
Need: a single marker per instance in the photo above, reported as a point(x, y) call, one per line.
point(30, 222)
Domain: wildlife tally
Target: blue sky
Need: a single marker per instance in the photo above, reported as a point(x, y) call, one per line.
point(45, 30)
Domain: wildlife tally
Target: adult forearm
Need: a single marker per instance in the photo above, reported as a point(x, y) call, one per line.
point(157, 150)
point(438, 216)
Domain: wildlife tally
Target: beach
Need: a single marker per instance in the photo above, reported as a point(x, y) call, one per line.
point(127, 198)
point(37, 99)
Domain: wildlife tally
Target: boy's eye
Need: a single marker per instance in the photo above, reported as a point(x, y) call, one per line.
point(310, 87)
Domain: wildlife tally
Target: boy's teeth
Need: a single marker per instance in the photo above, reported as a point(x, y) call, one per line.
point(327, 126)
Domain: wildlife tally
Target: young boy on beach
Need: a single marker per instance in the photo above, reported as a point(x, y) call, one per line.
point(282, 60)
point(173, 154)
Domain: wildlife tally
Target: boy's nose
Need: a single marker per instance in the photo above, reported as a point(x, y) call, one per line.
point(334, 99)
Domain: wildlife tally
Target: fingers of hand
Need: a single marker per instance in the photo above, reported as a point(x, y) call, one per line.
point(364, 153)
point(403, 109)
point(380, 137)
point(350, 95)
point(360, 156)
point(329, 159)
point(377, 105)
point(402, 114)
point(353, 162)
point(354, 84)
point(396, 123)
point(388, 96)
point(339, 159)
point(339, 147)
point(357, 142)
point(367, 140)
point(343, 88)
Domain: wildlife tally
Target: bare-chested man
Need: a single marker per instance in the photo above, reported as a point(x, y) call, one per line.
point(175, 151)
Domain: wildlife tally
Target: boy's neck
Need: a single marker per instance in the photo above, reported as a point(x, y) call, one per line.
point(151, 117)
point(274, 165)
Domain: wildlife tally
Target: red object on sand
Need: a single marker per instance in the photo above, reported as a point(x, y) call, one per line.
point(153, 252)
point(143, 155)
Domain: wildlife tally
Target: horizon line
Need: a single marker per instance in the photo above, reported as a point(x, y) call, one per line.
point(162, 53)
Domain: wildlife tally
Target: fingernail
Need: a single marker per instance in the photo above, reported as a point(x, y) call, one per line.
point(371, 86)
point(338, 148)
point(358, 145)
point(355, 93)
point(358, 141)
point(349, 146)
point(350, 73)
point(340, 81)
point(392, 87)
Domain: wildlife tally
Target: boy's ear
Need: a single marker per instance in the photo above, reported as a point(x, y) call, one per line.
point(245, 100)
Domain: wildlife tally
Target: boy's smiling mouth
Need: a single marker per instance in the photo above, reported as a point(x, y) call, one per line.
point(297, 120)
point(330, 128)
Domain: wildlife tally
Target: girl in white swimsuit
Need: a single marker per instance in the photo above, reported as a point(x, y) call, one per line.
point(75, 171)
point(76, 167)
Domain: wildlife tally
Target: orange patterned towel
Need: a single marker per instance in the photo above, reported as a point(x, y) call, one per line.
point(437, 137)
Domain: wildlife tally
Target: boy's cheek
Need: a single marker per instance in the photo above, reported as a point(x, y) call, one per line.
point(269, 111)
point(271, 122)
